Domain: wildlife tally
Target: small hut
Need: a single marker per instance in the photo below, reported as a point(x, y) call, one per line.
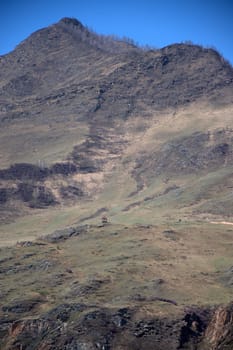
point(104, 220)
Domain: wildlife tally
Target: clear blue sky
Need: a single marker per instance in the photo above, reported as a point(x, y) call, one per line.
point(156, 23)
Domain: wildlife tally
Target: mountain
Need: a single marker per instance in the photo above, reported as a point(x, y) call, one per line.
point(95, 126)
point(75, 104)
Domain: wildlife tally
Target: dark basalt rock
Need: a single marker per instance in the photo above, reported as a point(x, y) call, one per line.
point(62, 235)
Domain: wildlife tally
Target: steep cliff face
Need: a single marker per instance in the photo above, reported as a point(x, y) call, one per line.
point(219, 332)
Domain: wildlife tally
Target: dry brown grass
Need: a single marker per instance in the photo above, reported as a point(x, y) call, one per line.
point(119, 266)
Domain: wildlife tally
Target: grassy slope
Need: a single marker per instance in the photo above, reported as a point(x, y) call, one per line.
point(117, 266)
point(41, 143)
point(194, 193)
point(125, 263)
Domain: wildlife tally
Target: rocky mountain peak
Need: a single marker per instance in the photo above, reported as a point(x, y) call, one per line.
point(71, 21)
point(73, 27)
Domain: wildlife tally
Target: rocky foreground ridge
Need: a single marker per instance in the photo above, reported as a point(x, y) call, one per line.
point(79, 326)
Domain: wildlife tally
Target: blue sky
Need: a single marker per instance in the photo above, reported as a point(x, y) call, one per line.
point(156, 23)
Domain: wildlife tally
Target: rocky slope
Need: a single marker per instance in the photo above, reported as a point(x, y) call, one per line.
point(115, 329)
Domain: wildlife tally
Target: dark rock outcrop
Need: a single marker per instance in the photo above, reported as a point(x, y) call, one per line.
point(80, 326)
point(62, 235)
